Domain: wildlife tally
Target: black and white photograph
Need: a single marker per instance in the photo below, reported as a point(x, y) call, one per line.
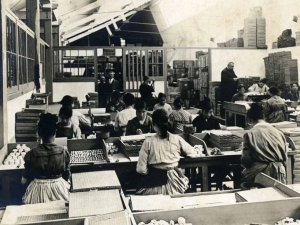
point(149, 112)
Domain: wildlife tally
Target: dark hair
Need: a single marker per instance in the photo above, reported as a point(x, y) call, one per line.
point(240, 87)
point(274, 90)
point(140, 104)
point(264, 80)
point(128, 99)
point(47, 125)
point(293, 84)
point(206, 104)
point(161, 95)
point(160, 119)
point(116, 95)
point(145, 78)
point(255, 112)
point(67, 100)
point(66, 111)
point(178, 103)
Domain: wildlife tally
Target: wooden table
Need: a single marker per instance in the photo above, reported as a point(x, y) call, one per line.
point(129, 167)
point(239, 113)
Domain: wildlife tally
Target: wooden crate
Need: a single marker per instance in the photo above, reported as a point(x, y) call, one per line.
point(268, 212)
point(87, 144)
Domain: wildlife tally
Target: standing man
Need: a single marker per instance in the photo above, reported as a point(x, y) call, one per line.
point(228, 85)
point(102, 93)
point(112, 84)
point(146, 90)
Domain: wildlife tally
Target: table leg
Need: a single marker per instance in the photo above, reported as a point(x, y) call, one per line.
point(6, 189)
point(289, 170)
point(236, 177)
point(205, 179)
point(226, 117)
point(193, 179)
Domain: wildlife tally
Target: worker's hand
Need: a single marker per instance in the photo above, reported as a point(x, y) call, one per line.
point(139, 131)
point(235, 79)
point(112, 108)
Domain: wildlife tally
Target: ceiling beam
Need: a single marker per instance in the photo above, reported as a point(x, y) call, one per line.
point(114, 23)
point(136, 31)
point(105, 18)
point(97, 28)
point(80, 10)
point(108, 30)
point(79, 22)
point(43, 15)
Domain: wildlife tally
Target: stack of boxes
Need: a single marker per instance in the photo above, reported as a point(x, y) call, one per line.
point(240, 33)
point(26, 125)
point(298, 38)
point(280, 68)
point(274, 45)
point(261, 32)
point(286, 39)
point(232, 43)
point(254, 33)
point(214, 96)
point(191, 77)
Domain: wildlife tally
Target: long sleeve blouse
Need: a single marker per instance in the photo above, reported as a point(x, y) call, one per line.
point(163, 153)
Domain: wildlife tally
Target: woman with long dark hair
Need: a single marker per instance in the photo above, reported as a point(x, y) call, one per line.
point(159, 157)
point(47, 167)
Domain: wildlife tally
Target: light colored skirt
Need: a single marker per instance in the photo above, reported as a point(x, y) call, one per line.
point(40, 191)
point(174, 185)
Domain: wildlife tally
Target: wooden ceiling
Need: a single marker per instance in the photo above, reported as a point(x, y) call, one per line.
point(81, 20)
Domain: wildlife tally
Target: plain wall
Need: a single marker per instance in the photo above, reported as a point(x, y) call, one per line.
point(247, 62)
point(14, 106)
point(74, 89)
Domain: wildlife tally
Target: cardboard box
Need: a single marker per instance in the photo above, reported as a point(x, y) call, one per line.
point(240, 33)
point(189, 63)
point(178, 64)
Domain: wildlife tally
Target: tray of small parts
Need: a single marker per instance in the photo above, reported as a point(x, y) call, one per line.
point(87, 156)
point(14, 157)
point(132, 144)
point(224, 136)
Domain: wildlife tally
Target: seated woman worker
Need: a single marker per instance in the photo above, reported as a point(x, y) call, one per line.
point(264, 148)
point(47, 167)
point(142, 123)
point(206, 119)
point(159, 157)
point(65, 128)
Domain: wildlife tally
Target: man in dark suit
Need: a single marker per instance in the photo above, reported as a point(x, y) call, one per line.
point(102, 93)
point(228, 85)
point(112, 84)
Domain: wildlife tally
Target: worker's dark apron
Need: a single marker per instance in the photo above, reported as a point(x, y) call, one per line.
point(154, 178)
point(65, 132)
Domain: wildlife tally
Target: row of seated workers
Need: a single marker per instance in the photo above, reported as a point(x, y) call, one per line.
point(275, 107)
point(47, 167)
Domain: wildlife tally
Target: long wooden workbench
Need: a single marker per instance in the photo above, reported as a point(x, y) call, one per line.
point(126, 168)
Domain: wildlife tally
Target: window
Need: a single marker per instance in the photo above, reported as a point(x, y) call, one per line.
point(11, 53)
point(73, 63)
point(20, 57)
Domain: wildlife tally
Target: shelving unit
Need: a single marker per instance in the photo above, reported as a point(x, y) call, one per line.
point(140, 62)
